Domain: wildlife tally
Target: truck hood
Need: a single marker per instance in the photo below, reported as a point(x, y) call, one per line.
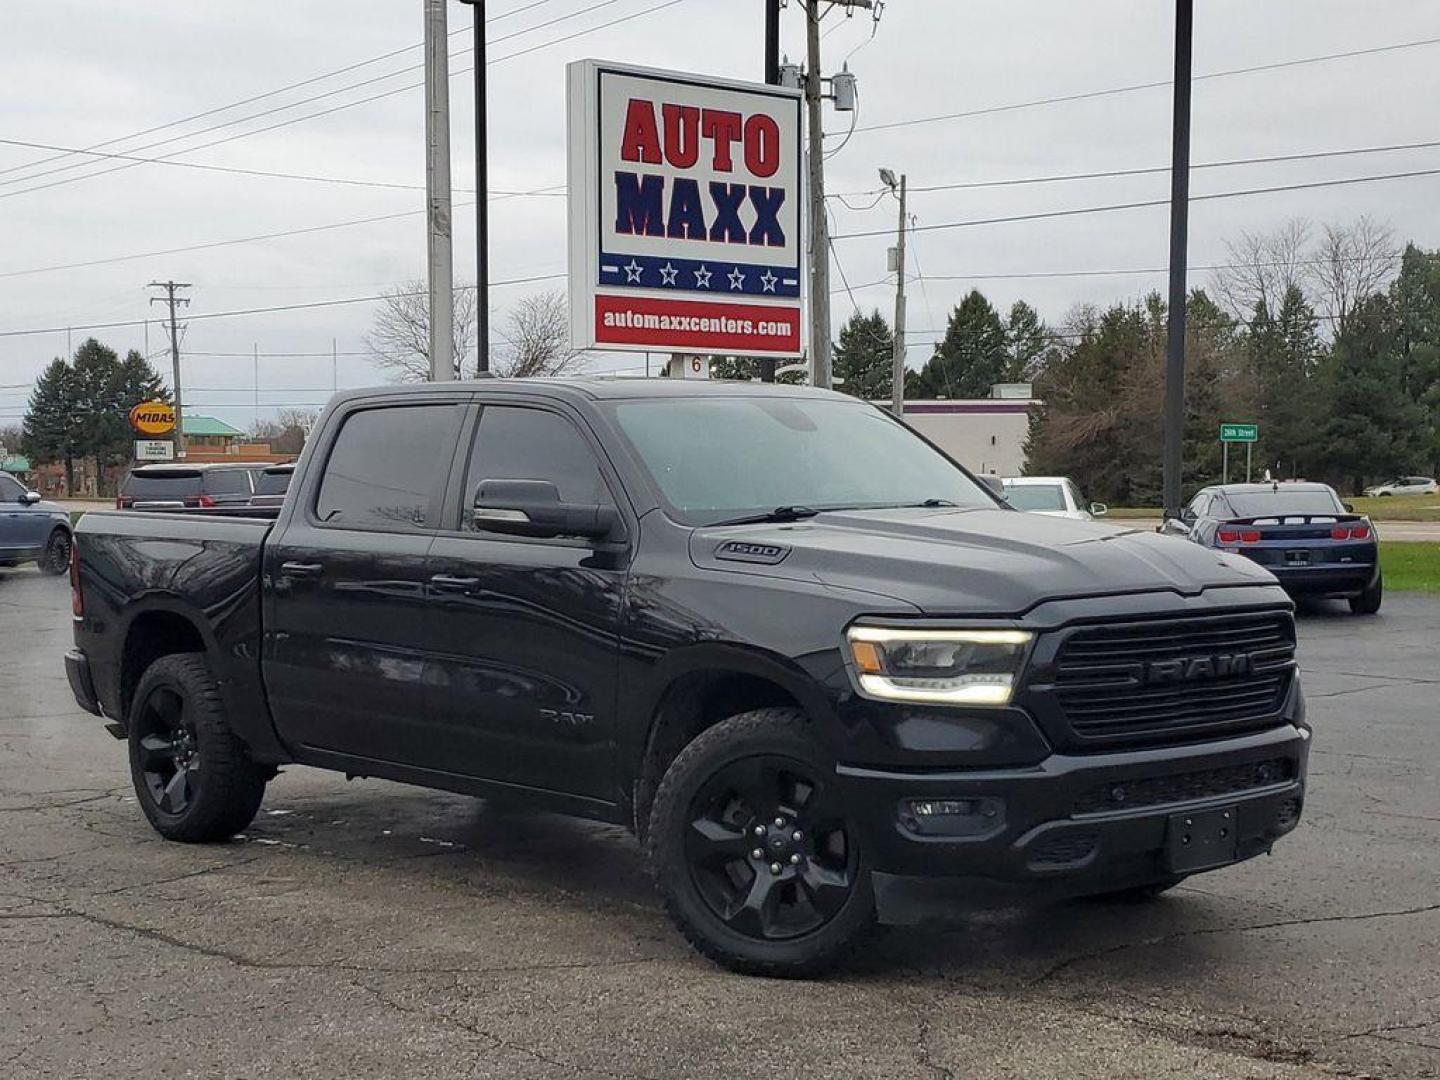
point(971, 562)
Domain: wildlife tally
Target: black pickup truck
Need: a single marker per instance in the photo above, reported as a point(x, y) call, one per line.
point(822, 671)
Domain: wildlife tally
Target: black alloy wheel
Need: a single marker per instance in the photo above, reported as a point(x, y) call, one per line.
point(768, 850)
point(169, 751)
point(56, 558)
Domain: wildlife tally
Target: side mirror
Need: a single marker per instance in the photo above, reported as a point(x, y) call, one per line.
point(30, 498)
point(1098, 509)
point(1349, 507)
point(533, 508)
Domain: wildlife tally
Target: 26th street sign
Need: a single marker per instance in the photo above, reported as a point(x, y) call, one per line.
point(684, 213)
point(1246, 433)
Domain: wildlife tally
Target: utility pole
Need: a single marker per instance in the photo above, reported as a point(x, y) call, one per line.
point(482, 194)
point(819, 225)
point(772, 77)
point(437, 193)
point(170, 298)
point(897, 389)
point(1179, 239)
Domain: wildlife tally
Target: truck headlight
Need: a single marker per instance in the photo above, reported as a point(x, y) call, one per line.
point(939, 666)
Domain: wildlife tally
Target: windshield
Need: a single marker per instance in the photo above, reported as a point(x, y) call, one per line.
point(716, 459)
point(1035, 496)
point(1250, 504)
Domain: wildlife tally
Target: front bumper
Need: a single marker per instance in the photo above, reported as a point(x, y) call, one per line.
point(1071, 825)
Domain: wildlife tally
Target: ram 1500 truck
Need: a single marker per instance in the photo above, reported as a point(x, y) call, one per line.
point(819, 668)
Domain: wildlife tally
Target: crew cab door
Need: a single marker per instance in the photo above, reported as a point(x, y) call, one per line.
point(525, 675)
point(346, 616)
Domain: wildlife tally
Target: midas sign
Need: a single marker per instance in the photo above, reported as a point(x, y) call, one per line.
point(684, 213)
point(153, 418)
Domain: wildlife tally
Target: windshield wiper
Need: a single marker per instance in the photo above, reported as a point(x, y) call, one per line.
point(779, 514)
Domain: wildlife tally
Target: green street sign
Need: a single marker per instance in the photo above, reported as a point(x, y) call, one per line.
point(1239, 432)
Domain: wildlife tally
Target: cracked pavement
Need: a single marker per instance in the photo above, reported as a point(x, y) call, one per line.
point(368, 928)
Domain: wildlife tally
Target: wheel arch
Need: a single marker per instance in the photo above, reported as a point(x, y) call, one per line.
point(156, 630)
point(693, 689)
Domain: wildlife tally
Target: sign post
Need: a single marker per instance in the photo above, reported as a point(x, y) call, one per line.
point(685, 198)
point(1236, 433)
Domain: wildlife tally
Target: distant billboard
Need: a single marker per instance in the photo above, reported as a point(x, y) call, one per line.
point(685, 223)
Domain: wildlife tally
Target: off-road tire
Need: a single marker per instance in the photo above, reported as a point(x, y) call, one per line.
point(227, 786)
point(1368, 602)
point(55, 559)
point(775, 733)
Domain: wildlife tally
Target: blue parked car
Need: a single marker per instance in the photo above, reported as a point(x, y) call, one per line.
point(31, 529)
point(1302, 533)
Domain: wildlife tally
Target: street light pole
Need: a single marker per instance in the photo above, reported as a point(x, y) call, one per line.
point(1179, 241)
point(439, 223)
point(482, 194)
point(772, 76)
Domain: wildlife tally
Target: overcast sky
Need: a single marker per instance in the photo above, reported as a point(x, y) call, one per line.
point(77, 74)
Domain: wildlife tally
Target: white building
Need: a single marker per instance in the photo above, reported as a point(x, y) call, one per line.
point(986, 436)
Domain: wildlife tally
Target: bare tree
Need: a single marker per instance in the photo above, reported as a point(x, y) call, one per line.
point(399, 340)
point(538, 339)
point(1262, 267)
point(1350, 263)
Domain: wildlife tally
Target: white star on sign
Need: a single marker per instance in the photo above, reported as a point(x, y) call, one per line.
point(633, 272)
point(767, 281)
point(737, 279)
point(667, 274)
point(702, 278)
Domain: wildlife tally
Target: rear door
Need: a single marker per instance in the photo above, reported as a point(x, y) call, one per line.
point(525, 668)
point(347, 623)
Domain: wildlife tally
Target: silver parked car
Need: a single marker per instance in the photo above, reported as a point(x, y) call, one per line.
point(1054, 495)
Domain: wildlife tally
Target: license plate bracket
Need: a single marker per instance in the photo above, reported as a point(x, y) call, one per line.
point(1202, 840)
point(1297, 557)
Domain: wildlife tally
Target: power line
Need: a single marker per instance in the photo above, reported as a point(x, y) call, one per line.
point(329, 93)
point(1076, 211)
point(260, 97)
point(264, 310)
point(1149, 170)
point(250, 172)
point(1091, 94)
point(204, 246)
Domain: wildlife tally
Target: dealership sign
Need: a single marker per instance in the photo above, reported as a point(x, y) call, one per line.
point(153, 418)
point(685, 229)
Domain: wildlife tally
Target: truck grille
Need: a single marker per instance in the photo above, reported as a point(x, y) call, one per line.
point(1175, 677)
point(1185, 787)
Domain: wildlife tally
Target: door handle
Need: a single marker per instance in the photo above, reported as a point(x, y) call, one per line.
point(447, 584)
point(301, 569)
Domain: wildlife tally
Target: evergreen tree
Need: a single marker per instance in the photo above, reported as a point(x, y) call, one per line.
point(1416, 296)
point(1027, 343)
point(971, 358)
point(747, 369)
point(1284, 351)
point(1373, 429)
point(865, 357)
point(51, 431)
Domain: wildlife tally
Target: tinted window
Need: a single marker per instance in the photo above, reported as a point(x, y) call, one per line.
point(1248, 504)
point(531, 444)
point(227, 482)
point(11, 489)
point(273, 482)
point(720, 458)
point(173, 485)
point(1035, 496)
point(387, 468)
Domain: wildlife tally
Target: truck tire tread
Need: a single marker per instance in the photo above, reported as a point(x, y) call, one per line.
point(828, 947)
point(231, 786)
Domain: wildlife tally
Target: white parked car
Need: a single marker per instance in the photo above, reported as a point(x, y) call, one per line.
point(1406, 485)
point(1054, 495)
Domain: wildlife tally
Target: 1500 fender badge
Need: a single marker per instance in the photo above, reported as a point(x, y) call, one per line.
point(740, 551)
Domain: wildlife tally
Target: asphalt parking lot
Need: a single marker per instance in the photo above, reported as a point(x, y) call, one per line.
point(370, 929)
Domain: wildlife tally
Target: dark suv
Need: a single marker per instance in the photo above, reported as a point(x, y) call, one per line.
point(174, 487)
